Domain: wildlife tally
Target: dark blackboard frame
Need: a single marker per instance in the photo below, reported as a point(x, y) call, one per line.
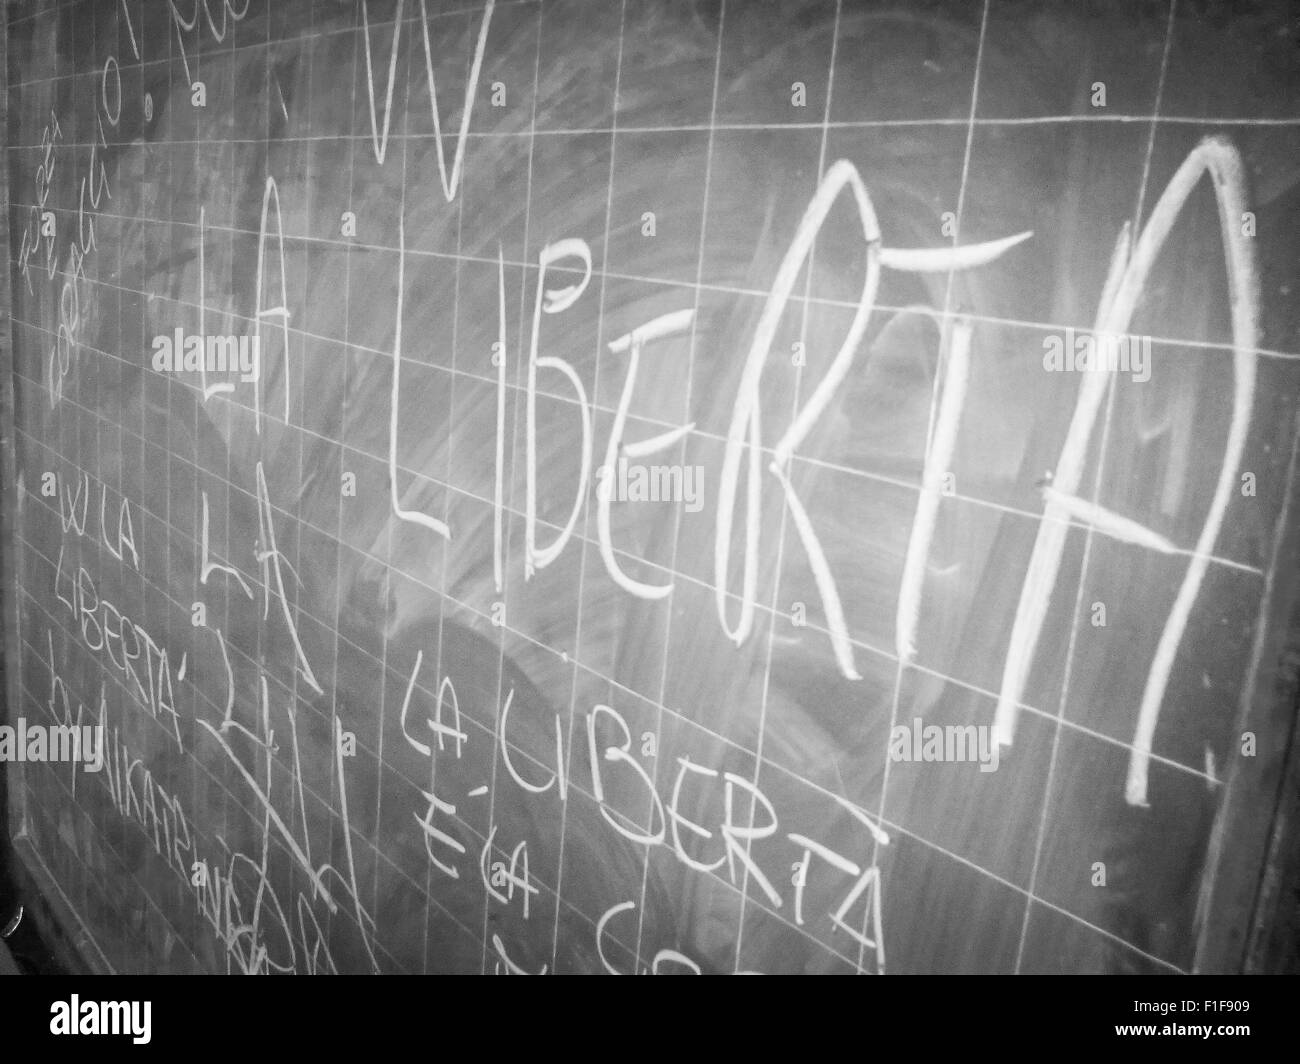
point(1262, 898)
point(8, 602)
point(1248, 895)
point(45, 916)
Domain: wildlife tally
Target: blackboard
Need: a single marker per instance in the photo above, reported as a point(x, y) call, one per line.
point(710, 486)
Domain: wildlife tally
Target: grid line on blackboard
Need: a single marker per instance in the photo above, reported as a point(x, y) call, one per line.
point(503, 630)
point(808, 269)
point(1062, 700)
point(1225, 347)
point(940, 371)
point(586, 503)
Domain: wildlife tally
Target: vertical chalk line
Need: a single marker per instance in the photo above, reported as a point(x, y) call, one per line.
point(1098, 477)
point(586, 507)
point(810, 268)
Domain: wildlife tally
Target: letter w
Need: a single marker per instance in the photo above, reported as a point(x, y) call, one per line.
point(380, 140)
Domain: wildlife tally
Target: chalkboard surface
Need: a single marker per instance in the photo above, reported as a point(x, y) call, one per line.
point(677, 486)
